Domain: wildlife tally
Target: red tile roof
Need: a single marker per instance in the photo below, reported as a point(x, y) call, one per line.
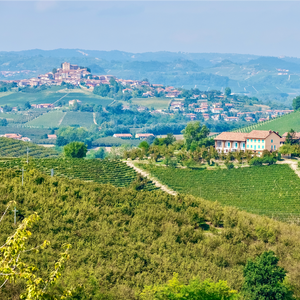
point(260, 134)
point(231, 136)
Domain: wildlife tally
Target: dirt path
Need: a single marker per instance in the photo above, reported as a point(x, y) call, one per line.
point(61, 97)
point(61, 119)
point(94, 118)
point(154, 180)
point(293, 163)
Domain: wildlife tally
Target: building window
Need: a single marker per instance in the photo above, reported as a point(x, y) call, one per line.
point(251, 146)
point(228, 145)
point(251, 140)
point(271, 141)
point(254, 141)
point(274, 147)
point(262, 147)
point(248, 146)
point(262, 141)
point(258, 146)
point(235, 145)
point(259, 141)
point(248, 140)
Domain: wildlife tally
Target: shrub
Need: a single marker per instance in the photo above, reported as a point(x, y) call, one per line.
point(229, 165)
point(256, 161)
point(75, 150)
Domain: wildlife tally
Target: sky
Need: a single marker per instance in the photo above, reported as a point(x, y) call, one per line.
point(268, 28)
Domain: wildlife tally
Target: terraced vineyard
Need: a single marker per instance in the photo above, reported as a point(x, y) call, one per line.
point(116, 172)
point(15, 148)
point(273, 191)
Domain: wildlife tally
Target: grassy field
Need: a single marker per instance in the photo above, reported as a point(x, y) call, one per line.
point(281, 124)
point(273, 191)
point(84, 119)
point(156, 103)
point(52, 95)
point(47, 120)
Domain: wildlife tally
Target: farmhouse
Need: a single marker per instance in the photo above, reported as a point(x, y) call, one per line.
point(255, 141)
point(123, 135)
point(143, 135)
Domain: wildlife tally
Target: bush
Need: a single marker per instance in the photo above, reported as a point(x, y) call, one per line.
point(229, 165)
point(75, 150)
point(256, 161)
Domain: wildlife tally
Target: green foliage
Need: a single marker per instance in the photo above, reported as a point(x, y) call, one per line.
point(256, 161)
point(105, 171)
point(75, 150)
point(195, 290)
point(296, 103)
point(13, 266)
point(228, 91)
point(268, 190)
point(264, 279)
point(3, 122)
point(195, 135)
point(123, 240)
point(100, 153)
point(144, 145)
point(15, 148)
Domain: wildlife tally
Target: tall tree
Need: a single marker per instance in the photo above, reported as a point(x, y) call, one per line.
point(264, 279)
point(75, 150)
point(195, 134)
point(296, 103)
point(227, 91)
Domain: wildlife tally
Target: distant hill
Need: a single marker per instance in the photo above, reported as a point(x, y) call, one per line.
point(244, 73)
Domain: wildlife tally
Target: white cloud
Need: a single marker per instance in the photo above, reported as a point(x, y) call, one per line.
point(43, 5)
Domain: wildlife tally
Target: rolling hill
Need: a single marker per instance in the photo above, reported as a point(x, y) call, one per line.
point(123, 240)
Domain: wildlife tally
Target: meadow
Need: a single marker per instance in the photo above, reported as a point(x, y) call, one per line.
point(156, 103)
point(52, 95)
point(272, 191)
point(47, 120)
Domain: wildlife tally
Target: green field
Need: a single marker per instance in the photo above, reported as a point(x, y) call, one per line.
point(273, 191)
point(116, 173)
point(156, 103)
point(15, 148)
point(84, 119)
point(47, 120)
point(281, 124)
point(52, 95)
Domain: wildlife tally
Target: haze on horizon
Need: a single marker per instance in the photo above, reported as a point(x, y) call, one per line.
point(244, 27)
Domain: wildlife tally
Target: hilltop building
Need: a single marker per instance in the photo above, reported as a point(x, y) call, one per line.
point(255, 141)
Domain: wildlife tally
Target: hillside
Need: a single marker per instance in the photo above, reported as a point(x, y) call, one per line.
point(16, 148)
point(123, 240)
point(282, 124)
point(273, 191)
point(115, 172)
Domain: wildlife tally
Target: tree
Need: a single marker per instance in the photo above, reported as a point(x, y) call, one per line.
point(291, 137)
point(61, 141)
point(296, 103)
point(3, 122)
point(195, 290)
point(195, 133)
point(227, 91)
point(264, 279)
point(13, 266)
point(144, 144)
point(54, 70)
point(75, 150)
point(27, 105)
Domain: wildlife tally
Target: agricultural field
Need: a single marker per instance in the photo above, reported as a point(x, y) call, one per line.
point(52, 95)
point(273, 190)
point(156, 103)
point(281, 124)
point(84, 119)
point(116, 173)
point(47, 120)
point(15, 148)
point(110, 141)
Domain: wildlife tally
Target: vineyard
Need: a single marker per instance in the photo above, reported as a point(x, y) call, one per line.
point(47, 120)
point(281, 124)
point(84, 119)
point(273, 191)
point(116, 173)
point(15, 148)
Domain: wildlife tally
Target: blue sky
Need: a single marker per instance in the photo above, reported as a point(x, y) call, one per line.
point(249, 27)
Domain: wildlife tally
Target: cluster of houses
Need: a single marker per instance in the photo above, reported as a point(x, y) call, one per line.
point(223, 111)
